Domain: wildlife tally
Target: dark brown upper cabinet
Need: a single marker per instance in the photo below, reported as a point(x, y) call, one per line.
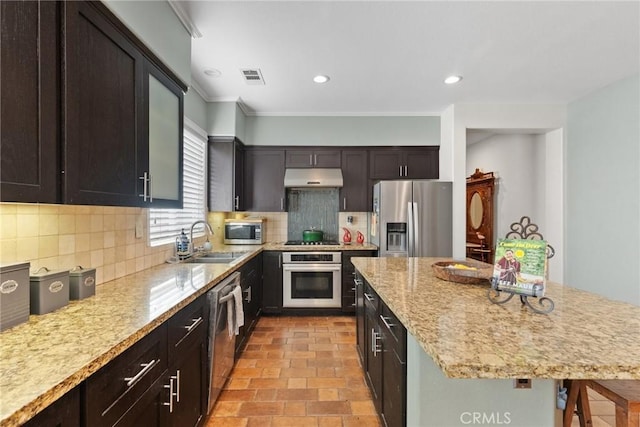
point(226, 174)
point(355, 193)
point(313, 158)
point(103, 99)
point(30, 113)
point(404, 163)
point(83, 104)
point(264, 179)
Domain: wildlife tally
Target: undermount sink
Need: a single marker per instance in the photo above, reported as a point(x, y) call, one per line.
point(216, 257)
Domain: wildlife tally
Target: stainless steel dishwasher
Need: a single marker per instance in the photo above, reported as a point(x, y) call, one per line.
point(221, 344)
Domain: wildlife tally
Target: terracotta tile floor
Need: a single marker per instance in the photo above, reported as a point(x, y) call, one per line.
point(297, 371)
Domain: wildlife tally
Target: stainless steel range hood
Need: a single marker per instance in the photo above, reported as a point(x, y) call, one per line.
point(313, 177)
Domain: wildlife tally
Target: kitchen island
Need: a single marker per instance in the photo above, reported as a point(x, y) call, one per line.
point(463, 352)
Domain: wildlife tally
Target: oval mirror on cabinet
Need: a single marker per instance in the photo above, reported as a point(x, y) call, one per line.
point(475, 211)
point(480, 238)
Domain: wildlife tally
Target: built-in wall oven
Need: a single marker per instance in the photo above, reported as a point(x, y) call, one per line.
point(312, 279)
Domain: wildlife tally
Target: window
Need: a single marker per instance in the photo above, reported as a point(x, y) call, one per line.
point(166, 224)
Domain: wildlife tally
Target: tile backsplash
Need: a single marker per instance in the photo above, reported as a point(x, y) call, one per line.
point(104, 237)
point(65, 236)
point(315, 208)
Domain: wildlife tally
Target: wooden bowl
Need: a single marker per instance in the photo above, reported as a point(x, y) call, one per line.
point(479, 274)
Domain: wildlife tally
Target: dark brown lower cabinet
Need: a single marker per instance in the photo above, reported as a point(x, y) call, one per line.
point(272, 282)
point(251, 283)
point(159, 381)
point(348, 273)
point(65, 412)
point(384, 355)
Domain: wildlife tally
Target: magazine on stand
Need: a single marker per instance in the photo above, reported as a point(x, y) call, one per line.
point(520, 266)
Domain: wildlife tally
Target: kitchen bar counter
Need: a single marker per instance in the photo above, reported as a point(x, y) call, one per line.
point(586, 336)
point(49, 355)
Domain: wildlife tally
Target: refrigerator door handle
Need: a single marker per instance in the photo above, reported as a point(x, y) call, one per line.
point(410, 230)
point(416, 230)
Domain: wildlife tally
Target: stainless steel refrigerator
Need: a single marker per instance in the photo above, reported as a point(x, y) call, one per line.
point(412, 218)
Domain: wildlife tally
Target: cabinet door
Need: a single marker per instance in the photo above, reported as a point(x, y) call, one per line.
point(189, 377)
point(272, 282)
point(360, 320)
point(326, 159)
point(374, 352)
point(356, 194)
point(64, 412)
point(226, 179)
point(151, 409)
point(238, 178)
point(103, 109)
point(165, 109)
point(385, 163)
point(264, 180)
point(299, 158)
point(394, 394)
point(29, 111)
point(312, 158)
point(421, 163)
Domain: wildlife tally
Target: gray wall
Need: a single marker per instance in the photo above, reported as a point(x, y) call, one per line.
point(603, 192)
point(342, 130)
point(160, 29)
point(195, 108)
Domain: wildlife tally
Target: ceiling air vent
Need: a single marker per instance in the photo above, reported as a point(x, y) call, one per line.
point(253, 76)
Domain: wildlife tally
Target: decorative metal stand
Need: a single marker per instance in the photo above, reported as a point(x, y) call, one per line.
point(496, 295)
point(524, 229)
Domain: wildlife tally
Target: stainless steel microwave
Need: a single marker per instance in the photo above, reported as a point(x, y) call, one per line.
point(244, 231)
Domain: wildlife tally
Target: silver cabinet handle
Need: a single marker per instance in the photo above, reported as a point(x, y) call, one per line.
point(282, 203)
point(237, 204)
point(357, 281)
point(279, 260)
point(400, 172)
point(177, 378)
point(344, 203)
point(375, 347)
point(310, 160)
point(406, 170)
point(146, 367)
point(385, 320)
point(369, 297)
point(145, 186)
point(171, 394)
point(354, 289)
point(195, 322)
point(248, 292)
point(315, 159)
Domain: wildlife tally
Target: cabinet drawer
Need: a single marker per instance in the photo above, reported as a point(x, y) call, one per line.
point(371, 299)
point(112, 390)
point(397, 332)
point(187, 326)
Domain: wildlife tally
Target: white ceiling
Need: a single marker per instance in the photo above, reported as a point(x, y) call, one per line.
point(390, 57)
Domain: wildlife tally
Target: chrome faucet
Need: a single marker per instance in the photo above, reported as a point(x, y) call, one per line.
point(207, 229)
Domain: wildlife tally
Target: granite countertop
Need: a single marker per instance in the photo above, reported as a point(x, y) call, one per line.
point(586, 336)
point(44, 358)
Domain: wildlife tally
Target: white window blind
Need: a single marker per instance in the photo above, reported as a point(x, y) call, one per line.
point(166, 224)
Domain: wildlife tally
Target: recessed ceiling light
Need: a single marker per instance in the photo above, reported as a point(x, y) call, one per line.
point(321, 79)
point(212, 72)
point(452, 79)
